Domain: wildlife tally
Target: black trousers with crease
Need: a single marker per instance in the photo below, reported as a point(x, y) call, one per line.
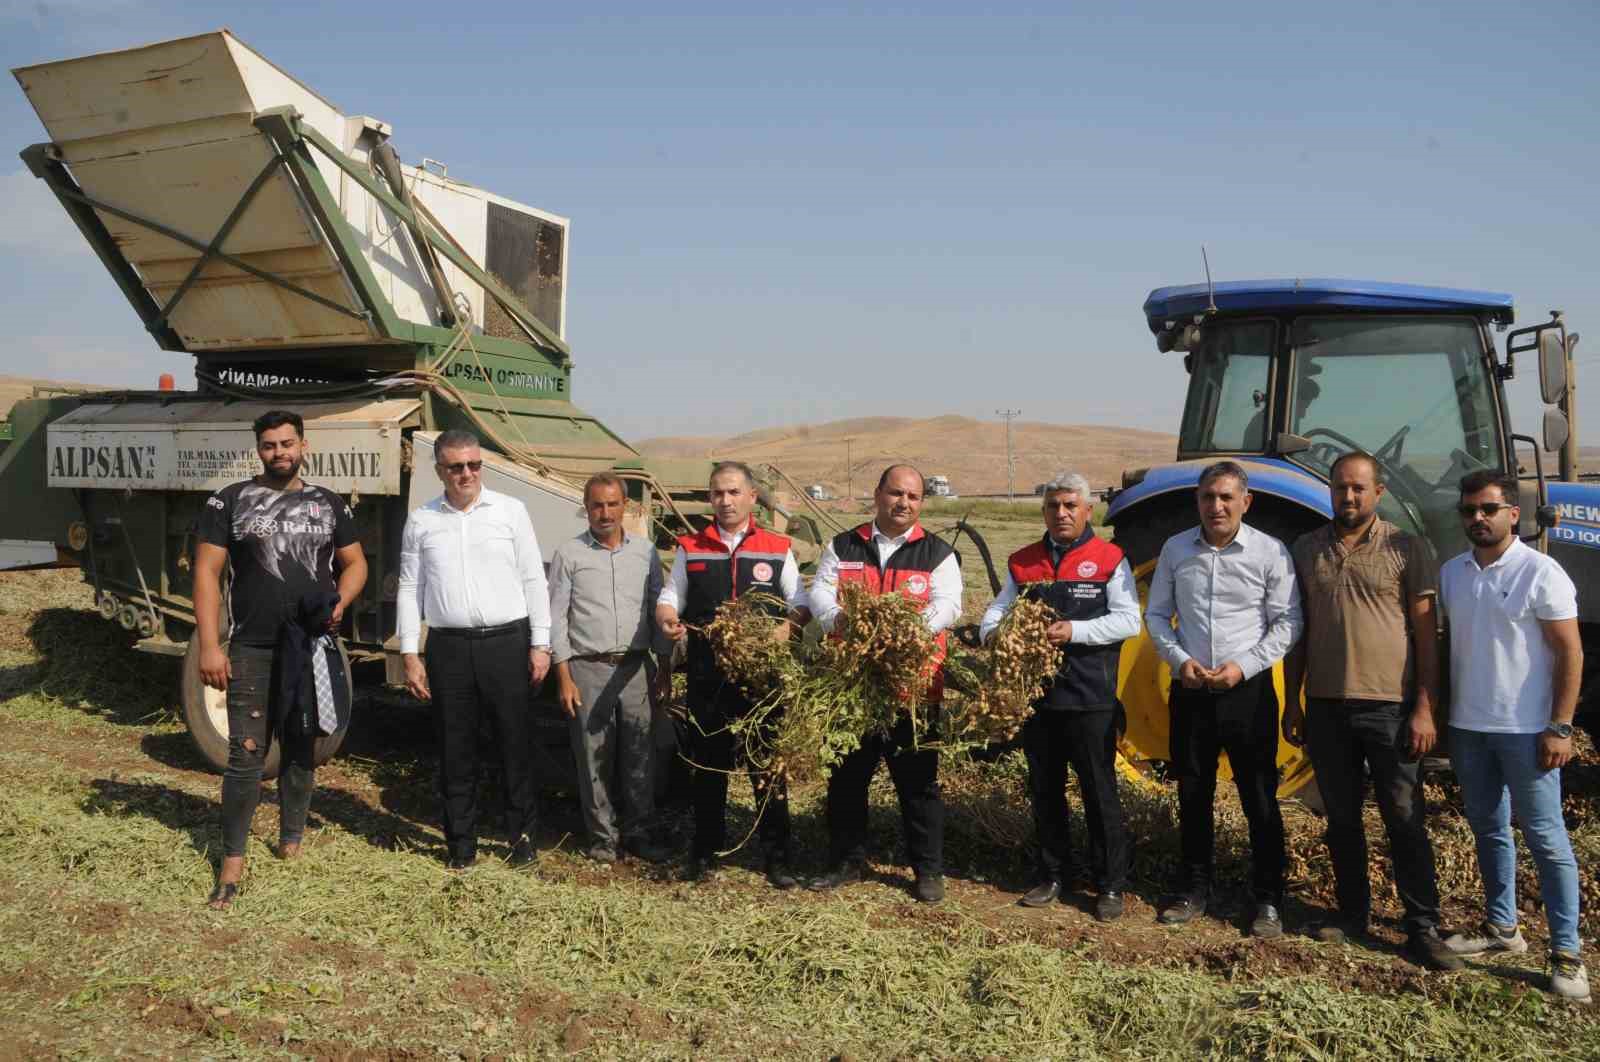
point(1085, 741)
point(915, 773)
point(1243, 722)
point(470, 675)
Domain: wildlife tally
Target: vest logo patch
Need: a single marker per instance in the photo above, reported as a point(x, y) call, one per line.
point(917, 584)
point(697, 566)
point(762, 572)
point(1087, 570)
point(852, 566)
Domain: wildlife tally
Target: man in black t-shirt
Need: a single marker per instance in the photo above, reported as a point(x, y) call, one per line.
point(284, 539)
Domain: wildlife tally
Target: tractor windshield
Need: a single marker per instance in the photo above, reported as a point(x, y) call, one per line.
point(1414, 392)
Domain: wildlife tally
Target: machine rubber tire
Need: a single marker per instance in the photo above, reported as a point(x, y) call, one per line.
point(205, 713)
point(1143, 678)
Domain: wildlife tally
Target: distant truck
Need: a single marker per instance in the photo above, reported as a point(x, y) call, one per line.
point(818, 492)
point(939, 487)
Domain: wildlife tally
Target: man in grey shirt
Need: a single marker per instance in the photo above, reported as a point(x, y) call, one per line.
point(1232, 591)
point(603, 588)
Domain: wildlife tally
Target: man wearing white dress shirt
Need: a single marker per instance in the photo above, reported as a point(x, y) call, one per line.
point(732, 555)
point(892, 554)
point(470, 567)
point(1232, 591)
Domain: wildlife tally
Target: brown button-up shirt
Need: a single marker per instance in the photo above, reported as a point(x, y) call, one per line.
point(1357, 620)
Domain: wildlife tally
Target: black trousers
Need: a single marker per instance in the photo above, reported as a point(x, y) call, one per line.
point(469, 675)
point(1053, 740)
point(1344, 737)
point(916, 782)
point(249, 697)
point(1243, 722)
point(713, 751)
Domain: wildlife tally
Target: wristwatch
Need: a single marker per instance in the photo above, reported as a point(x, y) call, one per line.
point(1560, 730)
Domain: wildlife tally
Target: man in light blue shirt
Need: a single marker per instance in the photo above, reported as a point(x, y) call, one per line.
point(1232, 591)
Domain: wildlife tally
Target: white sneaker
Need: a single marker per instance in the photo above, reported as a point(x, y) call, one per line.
point(1568, 977)
point(1487, 937)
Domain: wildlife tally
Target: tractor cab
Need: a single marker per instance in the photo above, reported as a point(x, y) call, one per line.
point(1295, 373)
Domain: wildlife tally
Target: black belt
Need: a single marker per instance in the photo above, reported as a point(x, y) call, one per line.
point(480, 632)
point(614, 659)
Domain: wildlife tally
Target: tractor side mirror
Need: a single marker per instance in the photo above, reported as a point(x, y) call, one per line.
point(1556, 429)
point(1552, 369)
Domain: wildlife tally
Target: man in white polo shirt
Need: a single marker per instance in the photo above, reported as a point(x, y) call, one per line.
point(1515, 665)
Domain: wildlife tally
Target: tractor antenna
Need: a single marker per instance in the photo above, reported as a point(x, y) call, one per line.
point(1211, 291)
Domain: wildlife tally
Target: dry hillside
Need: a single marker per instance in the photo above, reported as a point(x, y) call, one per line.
point(15, 388)
point(971, 452)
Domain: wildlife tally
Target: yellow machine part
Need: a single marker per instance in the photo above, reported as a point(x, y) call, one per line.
point(1143, 682)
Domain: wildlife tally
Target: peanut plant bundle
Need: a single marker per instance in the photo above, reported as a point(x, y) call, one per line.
point(1001, 680)
point(747, 644)
point(810, 711)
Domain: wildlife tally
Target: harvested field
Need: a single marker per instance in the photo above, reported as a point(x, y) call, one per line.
point(368, 948)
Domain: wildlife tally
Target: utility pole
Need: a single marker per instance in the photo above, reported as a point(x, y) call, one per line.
point(849, 492)
point(1011, 463)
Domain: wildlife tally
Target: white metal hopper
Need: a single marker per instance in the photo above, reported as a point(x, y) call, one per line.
point(165, 132)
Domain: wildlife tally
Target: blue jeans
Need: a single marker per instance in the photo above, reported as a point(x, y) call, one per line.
point(1499, 774)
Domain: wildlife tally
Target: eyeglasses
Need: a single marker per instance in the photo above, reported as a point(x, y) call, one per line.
point(455, 468)
point(1487, 508)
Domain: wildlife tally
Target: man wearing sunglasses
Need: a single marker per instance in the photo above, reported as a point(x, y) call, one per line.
point(470, 566)
point(1515, 664)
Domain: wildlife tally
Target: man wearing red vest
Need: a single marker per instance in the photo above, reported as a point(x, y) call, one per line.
point(893, 554)
point(730, 557)
point(1086, 581)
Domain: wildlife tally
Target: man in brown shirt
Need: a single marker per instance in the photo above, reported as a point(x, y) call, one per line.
point(1369, 664)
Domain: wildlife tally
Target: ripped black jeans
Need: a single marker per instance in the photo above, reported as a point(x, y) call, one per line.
point(248, 693)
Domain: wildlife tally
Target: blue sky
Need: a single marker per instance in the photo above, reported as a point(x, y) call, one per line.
point(789, 214)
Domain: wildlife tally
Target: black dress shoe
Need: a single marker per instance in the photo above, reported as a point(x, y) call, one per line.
point(841, 874)
point(1042, 895)
point(1267, 923)
point(1429, 950)
point(929, 888)
point(779, 874)
point(522, 855)
point(1108, 907)
point(701, 868)
point(647, 850)
point(1183, 909)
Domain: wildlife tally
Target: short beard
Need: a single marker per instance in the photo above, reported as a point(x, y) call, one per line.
point(1350, 523)
point(272, 477)
point(1471, 537)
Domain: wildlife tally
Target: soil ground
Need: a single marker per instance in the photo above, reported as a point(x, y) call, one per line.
point(367, 947)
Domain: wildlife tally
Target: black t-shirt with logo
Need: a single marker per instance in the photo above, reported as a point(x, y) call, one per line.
point(280, 544)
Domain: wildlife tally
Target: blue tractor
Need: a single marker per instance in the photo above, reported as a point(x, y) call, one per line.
point(1286, 375)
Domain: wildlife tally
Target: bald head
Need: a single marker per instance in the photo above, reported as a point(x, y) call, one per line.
point(898, 499)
